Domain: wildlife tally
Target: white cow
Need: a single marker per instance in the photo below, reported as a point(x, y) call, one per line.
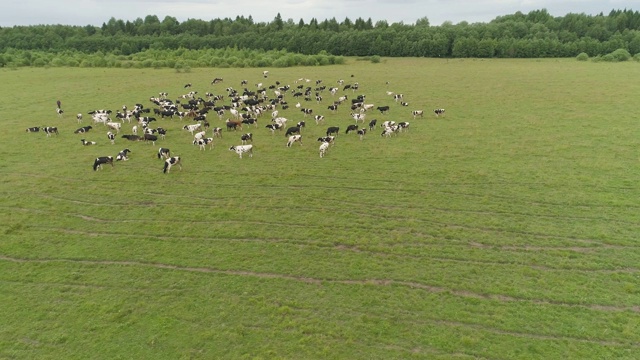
point(241, 149)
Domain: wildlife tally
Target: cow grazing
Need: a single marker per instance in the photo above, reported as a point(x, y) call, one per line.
point(50, 130)
point(351, 128)
point(292, 130)
point(333, 107)
point(246, 137)
point(150, 137)
point(131, 137)
point(328, 139)
point(273, 127)
point(318, 119)
point(216, 81)
point(83, 129)
point(202, 143)
point(417, 113)
point(191, 128)
point(438, 112)
point(383, 109)
point(234, 125)
point(114, 125)
point(123, 155)
point(358, 117)
point(250, 121)
point(87, 143)
point(301, 124)
point(293, 139)
point(199, 135)
point(162, 132)
point(33, 129)
point(242, 149)
point(307, 111)
point(59, 112)
point(333, 130)
point(397, 97)
point(403, 126)
point(186, 86)
point(164, 153)
point(372, 124)
point(112, 137)
point(323, 148)
point(172, 161)
point(99, 161)
point(361, 133)
point(217, 132)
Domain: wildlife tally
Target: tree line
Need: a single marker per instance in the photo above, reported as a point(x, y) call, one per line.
point(533, 35)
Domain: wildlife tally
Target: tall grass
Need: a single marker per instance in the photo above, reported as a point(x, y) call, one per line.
point(506, 229)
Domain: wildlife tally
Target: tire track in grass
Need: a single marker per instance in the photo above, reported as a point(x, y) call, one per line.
point(320, 281)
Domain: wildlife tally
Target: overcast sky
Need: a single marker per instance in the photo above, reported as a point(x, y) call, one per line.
point(96, 12)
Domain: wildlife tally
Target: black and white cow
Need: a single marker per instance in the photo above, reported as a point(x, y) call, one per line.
point(50, 130)
point(33, 129)
point(383, 109)
point(191, 128)
point(403, 126)
point(361, 133)
point(323, 148)
point(333, 130)
point(307, 111)
point(372, 124)
point(217, 132)
point(99, 161)
point(301, 124)
point(242, 149)
point(397, 97)
point(112, 137)
point(131, 137)
point(246, 137)
point(87, 143)
point(172, 161)
point(123, 155)
point(79, 118)
point(293, 139)
point(318, 119)
point(328, 139)
point(164, 153)
point(60, 112)
point(351, 128)
point(404, 103)
point(273, 127)
point(417, 113)
point(150, 137)
point(83, 129)
point(202, 143)
point(292, 130)
point(438, 112)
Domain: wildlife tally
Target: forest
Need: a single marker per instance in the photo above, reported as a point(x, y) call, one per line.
point(536, 34)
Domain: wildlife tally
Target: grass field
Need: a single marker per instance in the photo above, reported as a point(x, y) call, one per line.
point(506, 230)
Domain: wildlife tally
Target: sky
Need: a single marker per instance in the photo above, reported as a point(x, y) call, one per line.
point(96, 12)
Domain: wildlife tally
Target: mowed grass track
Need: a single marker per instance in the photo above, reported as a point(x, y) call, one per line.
point(506, 230)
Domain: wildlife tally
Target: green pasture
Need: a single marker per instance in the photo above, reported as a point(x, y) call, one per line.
point(507, 229)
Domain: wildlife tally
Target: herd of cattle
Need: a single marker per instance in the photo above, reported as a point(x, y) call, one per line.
point(239, 109)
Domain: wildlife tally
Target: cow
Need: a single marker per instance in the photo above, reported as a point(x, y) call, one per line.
point(172, 161)
point(397, 97)
point(293, 139)
point(404, 103)
point(361, 133)
point(150, 137)
point(87, 143)
point(246, 137)
point(50, 130)
point(250, 121)
point(333, 130)
point(97, 163)
point(372, 124)
point(301, 124)
point(83, 129)
point(234, 125)
point(333, 107)
point(351, 128)
point(123, 155)
point(318, 118)
point(162, 132)
point(292, 130)
point(60, 112)
point(273, 127)
point(241, 149)
point(383, 109)
point(417, 113)
point(328, 139)
point(307, 112)
point(79, 118)
point(33, 129)
point(131, 137)
point(111, 136)
point(438, 112)
point(191, 128)
point(202, 143)
point(216, 81)
point(358, 117)
point(164, 153)
point(199, 135)
point(403, 126)
point(323, 148)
